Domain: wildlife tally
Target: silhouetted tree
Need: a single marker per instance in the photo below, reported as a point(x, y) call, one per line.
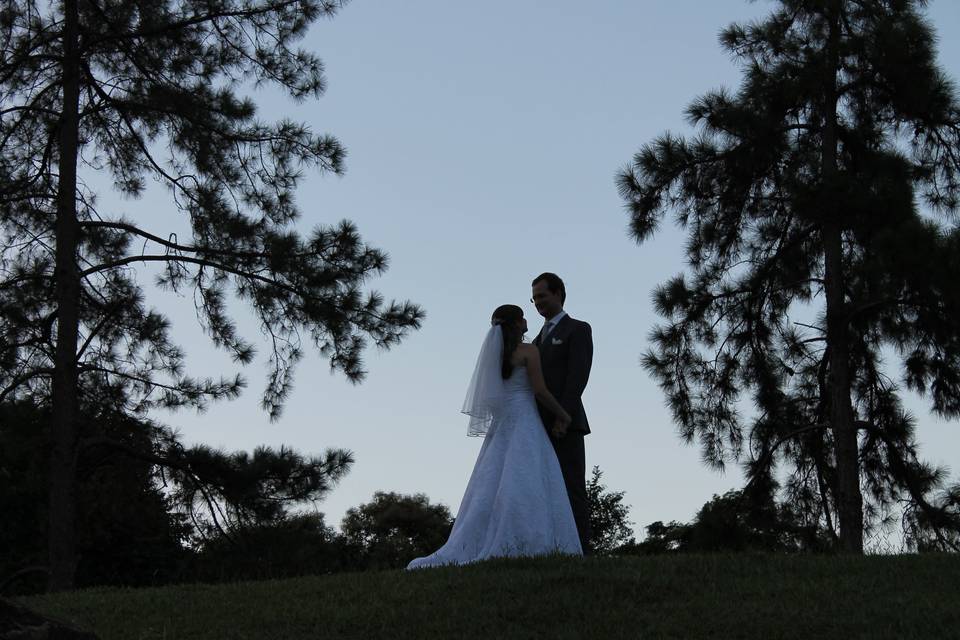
point(295, 545)
point(218, 490)
point(393, 529)
point(145, 500)
point(128, 532)
point(133, 92)
point(930, 528)
point(661, 538)
point(608, 516)
point(733, 522)
point(810, 259)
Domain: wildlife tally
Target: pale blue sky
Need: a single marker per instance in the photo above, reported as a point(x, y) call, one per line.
point(483, 141)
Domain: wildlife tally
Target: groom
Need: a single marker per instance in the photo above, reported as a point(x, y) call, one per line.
point(566, 353)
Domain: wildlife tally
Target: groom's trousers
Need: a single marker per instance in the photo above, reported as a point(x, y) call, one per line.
point(570, 453)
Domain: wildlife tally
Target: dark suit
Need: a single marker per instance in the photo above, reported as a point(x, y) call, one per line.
point(566, 357)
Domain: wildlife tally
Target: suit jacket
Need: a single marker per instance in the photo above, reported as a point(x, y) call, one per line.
point(566, 359)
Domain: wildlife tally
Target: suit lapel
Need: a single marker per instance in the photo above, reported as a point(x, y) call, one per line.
point(558, 332)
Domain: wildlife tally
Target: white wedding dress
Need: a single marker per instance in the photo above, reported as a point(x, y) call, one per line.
point(516, 503)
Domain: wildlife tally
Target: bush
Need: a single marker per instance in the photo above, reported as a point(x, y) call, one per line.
point(297, 545)
point(393, 529)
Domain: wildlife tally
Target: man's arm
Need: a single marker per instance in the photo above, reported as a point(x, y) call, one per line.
point(578, 367)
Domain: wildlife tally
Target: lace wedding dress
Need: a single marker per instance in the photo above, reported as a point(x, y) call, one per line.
point(516, 503)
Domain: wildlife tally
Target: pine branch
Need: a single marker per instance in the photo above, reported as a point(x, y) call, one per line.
point(162, 461)
point(198, 261)
point(141, 143)
point(124, 226)
point(83, 368)
point(20, 380)
point(180, 25)
point(903, 470)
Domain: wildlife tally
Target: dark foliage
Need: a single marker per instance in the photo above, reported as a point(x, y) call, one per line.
point(608, 516)
point(128, 531)
point(221, 491)
point(151, 511)
point(292, 546)
point(814, 267)
point(393, 529)
point(159, 101)
point(137, 93)
point(733, 523)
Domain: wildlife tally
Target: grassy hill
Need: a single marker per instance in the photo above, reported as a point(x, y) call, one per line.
point(742, 596)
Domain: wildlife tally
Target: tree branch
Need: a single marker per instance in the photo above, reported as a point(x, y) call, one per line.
point(200, 261)
point(124, 226)
point(195, 20)
point(24, 378)
point(162, 461)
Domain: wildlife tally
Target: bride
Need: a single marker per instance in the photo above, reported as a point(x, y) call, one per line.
point(516, 503)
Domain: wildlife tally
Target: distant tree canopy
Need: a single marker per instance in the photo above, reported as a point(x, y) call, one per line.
point(731, 523)
point(819, 201)
point(140, 92)
point(393, 529)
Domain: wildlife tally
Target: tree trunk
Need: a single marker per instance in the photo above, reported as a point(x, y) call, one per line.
point(849, 498)
point(62, 506)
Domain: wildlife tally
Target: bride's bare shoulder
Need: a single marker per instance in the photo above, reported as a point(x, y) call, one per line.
point(523, 353)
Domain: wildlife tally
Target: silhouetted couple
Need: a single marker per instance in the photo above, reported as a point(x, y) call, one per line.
point(527, 494)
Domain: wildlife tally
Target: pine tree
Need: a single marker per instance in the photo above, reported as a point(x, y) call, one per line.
point(135, 91)
point(818, 202)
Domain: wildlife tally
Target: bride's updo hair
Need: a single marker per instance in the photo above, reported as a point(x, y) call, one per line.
point(508, 316)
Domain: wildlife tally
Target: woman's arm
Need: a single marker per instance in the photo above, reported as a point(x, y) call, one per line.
point(531, 360)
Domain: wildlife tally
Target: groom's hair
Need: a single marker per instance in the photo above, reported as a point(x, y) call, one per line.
point(554, 284)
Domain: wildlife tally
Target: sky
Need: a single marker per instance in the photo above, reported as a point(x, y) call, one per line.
point(483, 140)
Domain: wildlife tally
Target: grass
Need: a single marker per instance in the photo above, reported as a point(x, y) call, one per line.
point(742, 596)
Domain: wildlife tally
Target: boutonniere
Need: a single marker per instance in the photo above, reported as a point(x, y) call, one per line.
point(556, 341)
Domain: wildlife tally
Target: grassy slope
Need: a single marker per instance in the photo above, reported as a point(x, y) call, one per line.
point(744, 596)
